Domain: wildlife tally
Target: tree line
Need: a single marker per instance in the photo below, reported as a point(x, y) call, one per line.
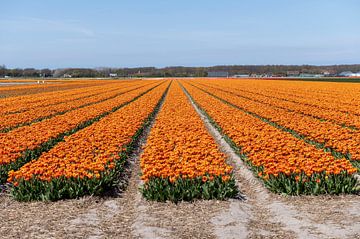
point(177, 71)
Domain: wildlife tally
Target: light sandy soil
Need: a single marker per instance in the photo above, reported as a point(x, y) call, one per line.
point(260, 214)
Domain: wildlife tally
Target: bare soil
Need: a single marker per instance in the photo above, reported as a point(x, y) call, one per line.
point(260, 214)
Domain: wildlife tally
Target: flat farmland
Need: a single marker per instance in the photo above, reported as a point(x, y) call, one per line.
point(180, 158)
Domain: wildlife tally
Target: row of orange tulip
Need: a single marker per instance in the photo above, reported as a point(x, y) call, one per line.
point(54, 86)
point(180, 148)
point(332, 115)
point(89, 154)
point(333, 136)
point(32, 137)
point(29, 102)
point(70, 103)
point(274, 153)
point(342, 97)
point(322, 95)
point(316, 92)
point(179, 144)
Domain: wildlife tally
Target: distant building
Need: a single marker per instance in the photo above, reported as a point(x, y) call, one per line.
point(346, 73)
point(67, 76)
point(349, 74)
point(326, 73)
point(292, 73)
point(307, 75)
point(218, 74)
point(241, 76)
point(113, 75)
point(257, 75)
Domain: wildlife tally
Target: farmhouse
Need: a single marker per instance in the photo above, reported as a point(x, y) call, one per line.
point(292, 73)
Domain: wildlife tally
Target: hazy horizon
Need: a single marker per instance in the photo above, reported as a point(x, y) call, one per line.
point(62, 34)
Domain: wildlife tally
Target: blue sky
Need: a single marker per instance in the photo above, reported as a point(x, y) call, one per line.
point(130, 33)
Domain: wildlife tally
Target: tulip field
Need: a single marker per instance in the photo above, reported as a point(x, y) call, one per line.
point(291, 152)
point(70, 139)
